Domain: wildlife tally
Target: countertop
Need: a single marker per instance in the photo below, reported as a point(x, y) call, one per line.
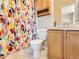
point(65, 28)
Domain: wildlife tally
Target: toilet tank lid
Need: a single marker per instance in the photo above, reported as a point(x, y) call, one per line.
point(37, 41)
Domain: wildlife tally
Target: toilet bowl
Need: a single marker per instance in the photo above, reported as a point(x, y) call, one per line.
point(36, 44)
point(36, 47)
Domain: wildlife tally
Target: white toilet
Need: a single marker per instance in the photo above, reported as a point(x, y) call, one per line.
point(37, 44)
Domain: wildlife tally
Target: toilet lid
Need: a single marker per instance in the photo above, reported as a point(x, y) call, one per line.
point(37, 41)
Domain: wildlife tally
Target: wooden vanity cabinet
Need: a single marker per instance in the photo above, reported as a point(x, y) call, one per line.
point(63, 44)
point(55, 43)
point(72, 44)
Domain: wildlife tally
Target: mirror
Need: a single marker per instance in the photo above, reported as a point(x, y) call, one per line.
point(77, 12)
point(68, 13)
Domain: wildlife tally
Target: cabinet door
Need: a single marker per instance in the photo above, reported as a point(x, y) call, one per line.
point(73, 45)
point(45, 3)
point(55, 44)
point(39, 4)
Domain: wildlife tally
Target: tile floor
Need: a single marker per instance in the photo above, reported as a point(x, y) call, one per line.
point(26, 54)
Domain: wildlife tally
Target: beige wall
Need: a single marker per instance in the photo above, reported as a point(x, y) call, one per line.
point(67, 2)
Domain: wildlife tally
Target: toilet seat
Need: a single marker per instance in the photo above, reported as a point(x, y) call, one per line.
point(37, 41)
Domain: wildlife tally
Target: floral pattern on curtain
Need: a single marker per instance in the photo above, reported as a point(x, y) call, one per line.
point(17, 25)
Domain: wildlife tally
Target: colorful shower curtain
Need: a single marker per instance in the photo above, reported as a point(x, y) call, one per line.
point(17, 25)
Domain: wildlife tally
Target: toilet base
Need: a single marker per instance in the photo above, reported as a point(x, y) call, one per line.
point(36, 54)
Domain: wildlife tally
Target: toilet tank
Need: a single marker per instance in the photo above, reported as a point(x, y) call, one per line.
point(42, 33)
